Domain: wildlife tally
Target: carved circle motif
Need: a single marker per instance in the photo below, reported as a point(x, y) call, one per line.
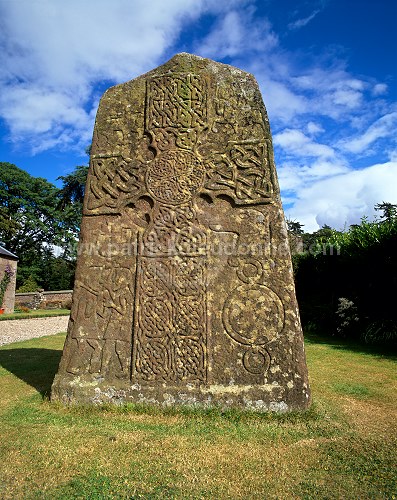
point(256, 362)
point(250, 271)
point(174, 176)
point(253, 315)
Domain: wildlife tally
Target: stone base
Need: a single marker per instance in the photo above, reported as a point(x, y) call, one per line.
point(262, 398)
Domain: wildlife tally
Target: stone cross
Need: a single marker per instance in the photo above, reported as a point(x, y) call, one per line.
point(184, 289)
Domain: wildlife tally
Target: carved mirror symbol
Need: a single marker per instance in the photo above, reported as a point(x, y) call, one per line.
point(253, 314)
point(256, 361)
point(176, 115)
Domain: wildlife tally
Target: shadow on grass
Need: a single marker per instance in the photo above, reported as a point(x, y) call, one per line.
point(349, 345)
point(36, 367)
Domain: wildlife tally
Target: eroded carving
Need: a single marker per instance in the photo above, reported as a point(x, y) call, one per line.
point(240, 172)
point(174, 177)
point(180, 300)
point(256, 361)
point(253, 315)
point(113, 184)
point(171, 319)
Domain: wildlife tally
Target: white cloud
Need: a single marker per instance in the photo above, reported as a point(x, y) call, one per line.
point(383, 127)
point(343, 199)
point(333, 92)
point(314, 128)
point(296, 143)
point(54, 53)
point(295, 176)
point(235, 34)
point(282, 104)
point(299, 23)
point(379, 89)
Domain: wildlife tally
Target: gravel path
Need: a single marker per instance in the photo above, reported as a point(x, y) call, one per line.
point(24, 329)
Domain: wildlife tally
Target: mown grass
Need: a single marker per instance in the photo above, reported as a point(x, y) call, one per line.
point(39, 313)
point(343, 447)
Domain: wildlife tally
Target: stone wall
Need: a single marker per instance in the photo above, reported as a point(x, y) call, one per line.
point(43, 300)
point(8, 302)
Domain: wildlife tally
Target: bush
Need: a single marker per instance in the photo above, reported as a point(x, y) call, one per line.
point(347, 318)
point(348, 293)
point(29, 285)
point(23, 309)
point(67, 304)
point(52, 304)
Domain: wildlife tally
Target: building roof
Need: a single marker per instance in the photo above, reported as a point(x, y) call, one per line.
point(6, 253)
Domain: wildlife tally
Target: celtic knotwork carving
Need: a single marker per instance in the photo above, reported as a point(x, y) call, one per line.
point(112, 184)
point(153, 360)
point(174, 176)
point(173, 138)
point(179, 359)
point(190, 359)
point(171, 319)
point(243, 172)
point(177, 101)
point(172, 232)
point(189, 279)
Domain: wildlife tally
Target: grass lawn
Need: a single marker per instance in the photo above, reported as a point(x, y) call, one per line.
point(39, 313)
point(343, 447)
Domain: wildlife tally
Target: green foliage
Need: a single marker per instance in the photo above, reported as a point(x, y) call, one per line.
point(58, 274)
point(364, 237)
point(344, 282)
point(294, 227)
point(29, 285)
point(317, 241)
point(23, 312)
point(28, 209)
point(73, 186)
point(71, 195)
point(36, 217)
point(5, 281)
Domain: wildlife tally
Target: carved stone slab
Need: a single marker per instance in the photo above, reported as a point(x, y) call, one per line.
point(184, 290)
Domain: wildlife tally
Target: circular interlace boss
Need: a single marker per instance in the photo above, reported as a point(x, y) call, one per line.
point(174, 176)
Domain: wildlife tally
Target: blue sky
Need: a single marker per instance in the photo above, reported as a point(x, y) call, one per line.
point(327, 70)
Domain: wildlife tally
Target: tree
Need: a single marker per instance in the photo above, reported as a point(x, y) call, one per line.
point(315, 241)
point(295, 233)
point(71, 196)
point(389, 211)
point(28, 211)
point(295, 227)
point(32, 222)
point(73, 186)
